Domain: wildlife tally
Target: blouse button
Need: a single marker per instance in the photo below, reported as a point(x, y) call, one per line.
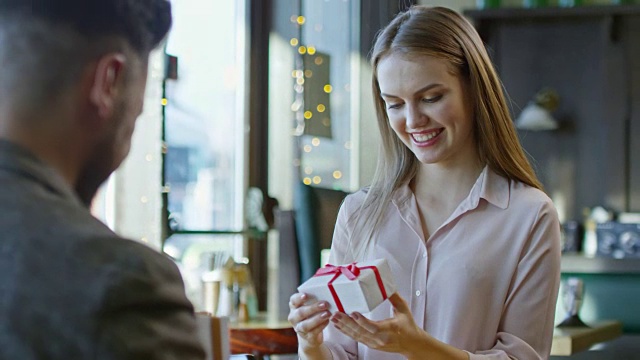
point(418, 293)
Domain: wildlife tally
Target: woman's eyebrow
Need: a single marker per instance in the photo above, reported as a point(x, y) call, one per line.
point(421, 90)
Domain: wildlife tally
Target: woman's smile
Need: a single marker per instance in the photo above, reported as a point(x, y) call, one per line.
point(426, 138)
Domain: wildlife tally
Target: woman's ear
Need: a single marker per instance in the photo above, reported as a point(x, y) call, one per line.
point(108, 78)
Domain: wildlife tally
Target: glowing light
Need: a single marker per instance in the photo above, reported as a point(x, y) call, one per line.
point(300, 20)
point(321, 108)
point(293, 42)
point(300, 81)
point(328, 88)
point(317, 180)
point(293, 18)
point(308, 73)
point(295, 106)
point(315, 141)
point(311, 50)
point(298, 73)
point(337, 174)
point(164, 102)
point(148, 157)
point(308, 114)
point(144, 199)
point(347, 145)
point(307, 148)
point(144, 239)
point(308, 170)
point(302, 49)
point(318, 60)
point(306, 181)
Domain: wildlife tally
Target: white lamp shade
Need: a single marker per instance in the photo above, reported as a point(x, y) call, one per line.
point(535, 118)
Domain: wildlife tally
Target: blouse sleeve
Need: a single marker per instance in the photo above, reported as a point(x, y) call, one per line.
point(526, 328)
point(341, 346)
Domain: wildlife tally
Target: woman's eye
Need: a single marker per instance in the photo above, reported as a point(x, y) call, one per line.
point(393, 106)
point(432, 99)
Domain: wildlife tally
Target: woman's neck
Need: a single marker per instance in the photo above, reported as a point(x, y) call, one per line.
point(445, 185)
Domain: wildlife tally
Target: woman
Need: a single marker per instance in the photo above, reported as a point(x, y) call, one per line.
point(454, 207)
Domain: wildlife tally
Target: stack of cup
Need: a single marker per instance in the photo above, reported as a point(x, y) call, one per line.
point(212, 280)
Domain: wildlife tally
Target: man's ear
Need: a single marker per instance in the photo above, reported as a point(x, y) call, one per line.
point(108, 78)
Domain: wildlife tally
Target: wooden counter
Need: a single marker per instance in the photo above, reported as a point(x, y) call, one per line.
point(264, 337)
point(568, 341)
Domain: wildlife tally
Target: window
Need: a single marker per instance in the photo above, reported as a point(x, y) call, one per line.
point(326, 86)
point(204, 130)
point(315, 90)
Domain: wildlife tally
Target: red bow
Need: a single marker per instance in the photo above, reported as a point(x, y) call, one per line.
point(351, 271)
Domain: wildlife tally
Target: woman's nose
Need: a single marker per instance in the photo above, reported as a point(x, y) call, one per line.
point(415, 118)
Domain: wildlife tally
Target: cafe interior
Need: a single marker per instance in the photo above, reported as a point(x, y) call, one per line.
point(259, 120)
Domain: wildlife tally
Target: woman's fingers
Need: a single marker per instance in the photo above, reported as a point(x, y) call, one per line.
point(303, 312)
point(352, 328)
point(296, 300)
point(399, 304)
point(391, 335)
point(365, 323)
point(308, 318)
point(313, 324)
point(357, 322)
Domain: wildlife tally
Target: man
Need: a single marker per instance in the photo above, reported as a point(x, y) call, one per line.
point(72, 78)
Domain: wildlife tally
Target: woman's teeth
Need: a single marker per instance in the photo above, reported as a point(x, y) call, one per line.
point(425, 137)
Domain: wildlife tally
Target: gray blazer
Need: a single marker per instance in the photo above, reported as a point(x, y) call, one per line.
point(72, 289)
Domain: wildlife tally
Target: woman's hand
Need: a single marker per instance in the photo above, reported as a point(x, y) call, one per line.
point(308, 320)
point(398, 334)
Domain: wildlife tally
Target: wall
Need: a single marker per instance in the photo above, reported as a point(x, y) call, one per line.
point(593, 63)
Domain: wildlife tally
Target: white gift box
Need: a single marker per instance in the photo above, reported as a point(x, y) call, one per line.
point(371, 283)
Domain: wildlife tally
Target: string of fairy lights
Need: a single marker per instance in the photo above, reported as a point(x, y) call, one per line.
point(303, 114)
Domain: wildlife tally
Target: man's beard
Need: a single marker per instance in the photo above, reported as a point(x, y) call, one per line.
point(94, 173)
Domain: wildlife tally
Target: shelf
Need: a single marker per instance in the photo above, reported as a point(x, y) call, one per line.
point(552, 12)
point(580, 264)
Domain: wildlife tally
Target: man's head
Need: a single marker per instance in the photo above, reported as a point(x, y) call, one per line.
point(77, 66)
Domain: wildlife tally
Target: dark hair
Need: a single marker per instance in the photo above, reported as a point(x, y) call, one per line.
point(45, 45)
point(142, 23)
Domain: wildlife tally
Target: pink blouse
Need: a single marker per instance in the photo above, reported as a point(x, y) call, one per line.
point(485, 282)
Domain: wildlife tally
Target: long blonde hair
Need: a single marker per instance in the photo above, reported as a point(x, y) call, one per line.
point(445, 34)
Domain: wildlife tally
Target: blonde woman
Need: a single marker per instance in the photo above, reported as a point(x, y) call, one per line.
point(455, 208)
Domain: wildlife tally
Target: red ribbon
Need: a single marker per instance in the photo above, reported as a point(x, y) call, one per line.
point(351, 271)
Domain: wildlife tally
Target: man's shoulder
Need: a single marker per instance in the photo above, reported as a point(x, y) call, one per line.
point(119, 255)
